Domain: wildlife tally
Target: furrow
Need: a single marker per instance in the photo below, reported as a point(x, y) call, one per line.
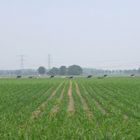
point(55, 108)
point(70, 108)
point(84, 104)
point(38, 110)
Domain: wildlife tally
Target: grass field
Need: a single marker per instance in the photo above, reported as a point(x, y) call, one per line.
point(76, 109)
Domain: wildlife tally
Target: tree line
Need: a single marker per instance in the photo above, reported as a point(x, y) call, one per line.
point(63, 70)
point(88, 71)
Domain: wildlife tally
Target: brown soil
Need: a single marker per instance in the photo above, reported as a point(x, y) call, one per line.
point(55, 107)
point(83, 101)
point(100, 107)
point(54, 110)
point(71, 101)
point(103, 111)
point(61, 96)
point(39, 109)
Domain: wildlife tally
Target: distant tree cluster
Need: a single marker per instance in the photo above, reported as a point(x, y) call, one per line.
point(41, 70)
point(89, 71)
point(71, 70)
point(63, 70)
point(25, 72)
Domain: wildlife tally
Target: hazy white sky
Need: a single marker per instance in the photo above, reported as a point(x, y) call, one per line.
point(91, 33)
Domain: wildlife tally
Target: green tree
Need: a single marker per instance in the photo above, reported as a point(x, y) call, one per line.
point(54, 71)
point(139, 71)
point(41, 70)
point(63, 70)
point(75, 70)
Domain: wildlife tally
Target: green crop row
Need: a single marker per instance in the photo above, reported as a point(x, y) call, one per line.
point(101, 109)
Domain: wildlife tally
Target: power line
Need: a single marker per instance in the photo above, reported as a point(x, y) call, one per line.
point(49, 61)
point(22, 60)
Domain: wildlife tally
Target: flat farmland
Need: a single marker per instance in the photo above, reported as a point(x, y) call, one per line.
point(70, 109)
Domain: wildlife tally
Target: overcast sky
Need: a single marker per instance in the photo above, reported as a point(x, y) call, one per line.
point(91, 33)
